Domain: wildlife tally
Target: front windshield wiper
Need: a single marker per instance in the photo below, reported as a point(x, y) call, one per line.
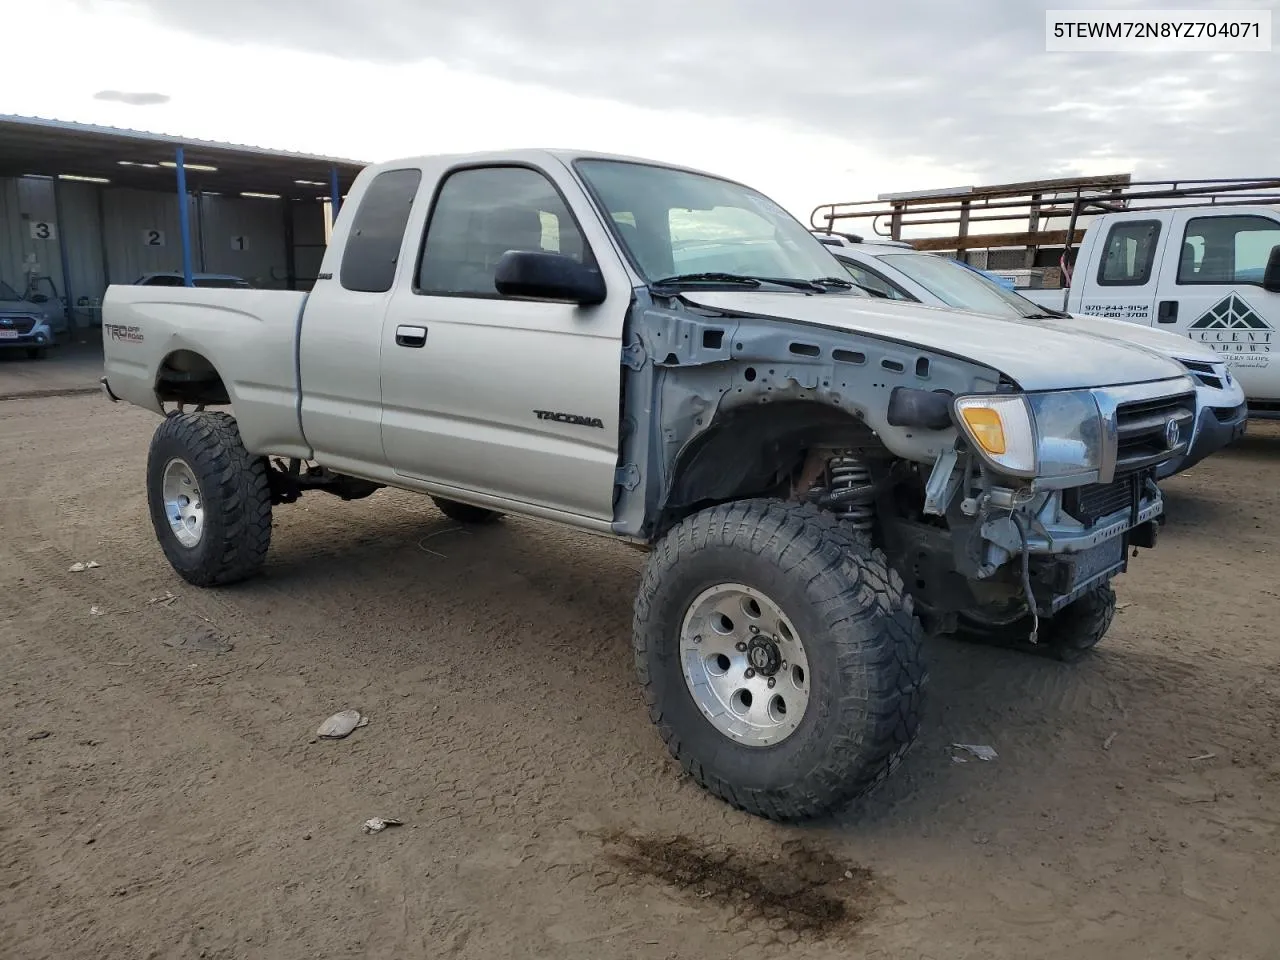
point(819, 285)
point(681, 278)
point(1047, 316)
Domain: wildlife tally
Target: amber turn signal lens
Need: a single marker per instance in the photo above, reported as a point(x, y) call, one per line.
point(985, 426)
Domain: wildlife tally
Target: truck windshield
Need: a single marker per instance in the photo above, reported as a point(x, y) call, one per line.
point(679, 224)
point(961, 288)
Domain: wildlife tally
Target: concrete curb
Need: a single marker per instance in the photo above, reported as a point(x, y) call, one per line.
point(51, 392)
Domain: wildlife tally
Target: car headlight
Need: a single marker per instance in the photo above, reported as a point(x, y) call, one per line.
point(1030, 435)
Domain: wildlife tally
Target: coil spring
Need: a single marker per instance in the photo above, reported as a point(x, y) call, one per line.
point(850, 481)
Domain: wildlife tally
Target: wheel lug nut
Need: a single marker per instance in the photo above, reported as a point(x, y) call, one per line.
point(772, 683)
point(750, 673)
point(740, 647)
point(698, 638)
point(754, 629)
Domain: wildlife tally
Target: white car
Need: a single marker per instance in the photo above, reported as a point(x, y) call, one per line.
point(218, 280)
point(895, 271)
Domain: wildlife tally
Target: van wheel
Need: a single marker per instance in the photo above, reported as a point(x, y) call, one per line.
point(465, 512)
point(1067, 636)
point(779, 656)
point(209, 498)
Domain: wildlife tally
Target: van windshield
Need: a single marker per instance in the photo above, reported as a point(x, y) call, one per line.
point(960, 287)
point(676, 223)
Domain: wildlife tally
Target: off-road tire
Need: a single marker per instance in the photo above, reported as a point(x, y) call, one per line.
point(1067, 636)
point(235, 493)
point(465, 512)
point(861, 638)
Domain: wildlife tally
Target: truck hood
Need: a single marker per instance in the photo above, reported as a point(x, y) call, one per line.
point(1034, 354)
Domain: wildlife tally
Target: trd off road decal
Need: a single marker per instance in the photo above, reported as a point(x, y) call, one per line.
point(124, 334)
point(1233, 328)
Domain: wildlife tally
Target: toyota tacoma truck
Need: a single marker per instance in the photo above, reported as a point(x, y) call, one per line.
point(669, 359)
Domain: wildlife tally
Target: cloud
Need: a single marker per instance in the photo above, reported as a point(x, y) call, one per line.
point(959, 85)
point(133, 99)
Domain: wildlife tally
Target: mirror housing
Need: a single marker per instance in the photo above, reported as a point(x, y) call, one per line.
point(1271, 276)
point(537, 275)
point(44, 297)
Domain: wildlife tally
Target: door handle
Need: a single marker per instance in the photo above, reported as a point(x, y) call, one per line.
point(407, 336)
point(1167, 311)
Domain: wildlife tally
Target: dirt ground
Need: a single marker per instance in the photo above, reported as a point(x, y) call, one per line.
point(161, 803)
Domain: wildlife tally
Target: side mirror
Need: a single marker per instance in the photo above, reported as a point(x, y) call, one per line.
point(1271, 276)
point(39, 298)
point(548, 276)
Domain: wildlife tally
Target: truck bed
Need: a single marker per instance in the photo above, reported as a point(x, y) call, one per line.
point(249, 337)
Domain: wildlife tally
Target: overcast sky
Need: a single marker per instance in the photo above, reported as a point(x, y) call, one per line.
point(812, 102)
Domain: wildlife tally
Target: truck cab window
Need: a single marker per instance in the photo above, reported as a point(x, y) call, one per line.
point(373, 246)
point(1129, 254)
point(1227, 249)
point(482, 213)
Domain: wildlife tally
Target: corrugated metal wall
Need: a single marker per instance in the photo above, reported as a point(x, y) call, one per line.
point(140, 228)
point(114, 234)
point(244, 236)
point(24, 205)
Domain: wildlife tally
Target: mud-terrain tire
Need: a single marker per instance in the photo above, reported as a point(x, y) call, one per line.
point(1067, 636)
point(465, 512)
point(209, 498)
point(820, 596)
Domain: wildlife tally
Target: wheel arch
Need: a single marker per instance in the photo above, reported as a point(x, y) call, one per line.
point(188, 376)
point(752, 450)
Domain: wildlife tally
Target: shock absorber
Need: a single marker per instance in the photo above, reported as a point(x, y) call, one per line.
point(850, 491)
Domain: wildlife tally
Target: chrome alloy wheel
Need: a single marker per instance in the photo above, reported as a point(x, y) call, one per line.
point(183, 505)
point(744, 664)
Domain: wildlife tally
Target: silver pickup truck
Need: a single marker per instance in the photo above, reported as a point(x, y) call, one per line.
point(668, 358)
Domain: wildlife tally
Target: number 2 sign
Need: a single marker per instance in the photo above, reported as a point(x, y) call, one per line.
point(153, 238)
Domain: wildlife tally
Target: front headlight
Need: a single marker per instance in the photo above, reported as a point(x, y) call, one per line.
point(1069, 428)
point(1036, 435)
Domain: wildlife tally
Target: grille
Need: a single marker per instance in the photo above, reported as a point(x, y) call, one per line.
point(1141, 426)
point(1227, 414)
point(21, 324)
point(1090, 504)
point(1204, 372)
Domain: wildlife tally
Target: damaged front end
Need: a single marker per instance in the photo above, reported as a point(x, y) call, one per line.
point(1039, 501)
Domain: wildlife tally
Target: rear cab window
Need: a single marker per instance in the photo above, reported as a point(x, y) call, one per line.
point(373, 246)
point(1129, 253)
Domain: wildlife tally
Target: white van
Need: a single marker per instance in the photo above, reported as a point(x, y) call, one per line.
point(1209, 273)
point(899, 272)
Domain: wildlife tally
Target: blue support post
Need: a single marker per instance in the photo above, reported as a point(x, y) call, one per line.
point(335, 194)
point(184, 218)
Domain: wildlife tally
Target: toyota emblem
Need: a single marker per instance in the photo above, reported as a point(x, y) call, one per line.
point(1172, 434)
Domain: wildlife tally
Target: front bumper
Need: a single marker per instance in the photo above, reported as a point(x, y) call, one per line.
point(1215, 428)
point(38, 336)
point(1070, 546)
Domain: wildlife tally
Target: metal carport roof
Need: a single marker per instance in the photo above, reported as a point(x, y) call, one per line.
point(135, 158)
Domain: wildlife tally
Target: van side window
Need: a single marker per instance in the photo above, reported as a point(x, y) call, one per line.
point(1227, 249)
point(373, 246)
point(480, 214)
point(1129, 253)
